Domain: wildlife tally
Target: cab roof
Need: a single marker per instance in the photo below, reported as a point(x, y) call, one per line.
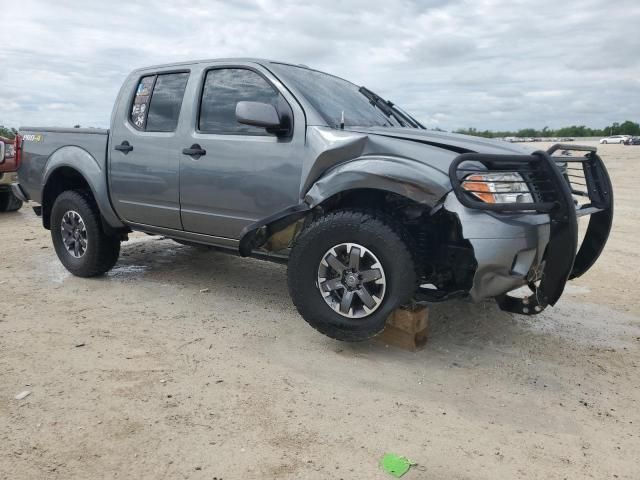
point(260, 61)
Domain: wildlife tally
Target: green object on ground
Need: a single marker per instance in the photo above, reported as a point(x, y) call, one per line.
point(395, 465)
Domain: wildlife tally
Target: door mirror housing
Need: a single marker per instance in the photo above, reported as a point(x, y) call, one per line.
point(258, 114)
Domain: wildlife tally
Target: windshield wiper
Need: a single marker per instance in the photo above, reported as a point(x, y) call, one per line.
point(381, 104)
point(409, 118)
point(390, 110)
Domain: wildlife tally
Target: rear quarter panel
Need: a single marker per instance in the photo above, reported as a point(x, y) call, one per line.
point(41, 152)
point(44, 150)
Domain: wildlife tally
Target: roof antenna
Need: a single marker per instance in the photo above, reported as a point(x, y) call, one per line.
point(342, 121)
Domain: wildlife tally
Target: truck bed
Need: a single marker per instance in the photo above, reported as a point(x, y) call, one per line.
point(40, 144)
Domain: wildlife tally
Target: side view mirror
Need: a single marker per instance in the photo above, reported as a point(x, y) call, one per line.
point(2, 151)
point(258, 114)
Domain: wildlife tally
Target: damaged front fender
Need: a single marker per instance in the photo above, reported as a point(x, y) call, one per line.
point(404, 177)
point(401, 176)
point(340, 161)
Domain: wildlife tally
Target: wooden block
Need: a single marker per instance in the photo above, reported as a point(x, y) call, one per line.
point(401, 339)
point(406, 328)
point(410, 320)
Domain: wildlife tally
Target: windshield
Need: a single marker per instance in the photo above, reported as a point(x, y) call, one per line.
point(331, 96)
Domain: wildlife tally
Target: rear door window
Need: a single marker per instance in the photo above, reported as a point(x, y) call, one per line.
point(156, 106)
point(140, 105)
point(223, 89)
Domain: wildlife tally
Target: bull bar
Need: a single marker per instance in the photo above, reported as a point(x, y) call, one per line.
point(565, 187)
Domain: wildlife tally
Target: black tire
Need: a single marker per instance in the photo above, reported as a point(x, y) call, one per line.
point(387, 240)
point(102, 250)
point(604, 142)
point(9, 202)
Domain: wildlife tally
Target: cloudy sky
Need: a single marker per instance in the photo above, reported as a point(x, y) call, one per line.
point(499, 64)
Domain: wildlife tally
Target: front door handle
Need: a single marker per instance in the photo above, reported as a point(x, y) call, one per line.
point(195, 151)
point(124, 147)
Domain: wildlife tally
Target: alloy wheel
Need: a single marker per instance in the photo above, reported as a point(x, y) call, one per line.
point(74, 234)
point(351, 280)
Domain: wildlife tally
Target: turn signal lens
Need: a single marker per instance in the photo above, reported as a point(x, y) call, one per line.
point(498, 187)
point(478, 187)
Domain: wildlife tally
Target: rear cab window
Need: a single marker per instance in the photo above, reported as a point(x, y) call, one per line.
point(157, 101)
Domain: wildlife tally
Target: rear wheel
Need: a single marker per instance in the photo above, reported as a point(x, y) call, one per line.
point(78, 237)
point(9, 202)
point(348, 271)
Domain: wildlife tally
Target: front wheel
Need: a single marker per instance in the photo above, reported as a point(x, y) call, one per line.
point(604, 142)
point(78, 237)
point(348, 271)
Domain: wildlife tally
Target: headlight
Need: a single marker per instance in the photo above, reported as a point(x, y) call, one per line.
point(498, 187)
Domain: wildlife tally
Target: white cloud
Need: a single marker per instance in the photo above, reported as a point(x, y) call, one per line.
point(484, 63)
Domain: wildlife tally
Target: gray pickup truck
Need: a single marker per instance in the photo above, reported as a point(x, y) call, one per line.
point(369, 209)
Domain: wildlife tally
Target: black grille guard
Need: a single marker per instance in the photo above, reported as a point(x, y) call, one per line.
point(557, 184)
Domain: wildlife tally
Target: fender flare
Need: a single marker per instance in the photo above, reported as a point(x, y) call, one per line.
point(93, 173)
point(417, 181)
point(408, 178)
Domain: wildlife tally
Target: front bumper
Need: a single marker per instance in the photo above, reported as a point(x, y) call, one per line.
point(508, 248)
point(534, 244)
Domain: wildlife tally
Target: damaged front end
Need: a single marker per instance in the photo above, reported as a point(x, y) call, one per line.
point(533, 240)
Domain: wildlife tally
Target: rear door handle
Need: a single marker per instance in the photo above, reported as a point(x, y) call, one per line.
point(124, 147)
point(195, 151)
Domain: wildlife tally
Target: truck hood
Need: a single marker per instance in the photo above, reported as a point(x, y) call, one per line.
point(359, 157)
point(454, 142)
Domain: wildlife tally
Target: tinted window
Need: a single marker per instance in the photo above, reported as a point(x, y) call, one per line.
point(166, 102)
point(157, 103)
point(223, 89)
point(141, 102)
point(332, 95)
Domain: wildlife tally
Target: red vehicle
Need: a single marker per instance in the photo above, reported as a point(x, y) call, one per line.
point(9, 162)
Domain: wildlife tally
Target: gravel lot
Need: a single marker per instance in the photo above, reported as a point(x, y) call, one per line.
point(145, 373)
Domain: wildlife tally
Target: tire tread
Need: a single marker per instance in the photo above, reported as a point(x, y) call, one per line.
point(387, 229)
point(106, 248)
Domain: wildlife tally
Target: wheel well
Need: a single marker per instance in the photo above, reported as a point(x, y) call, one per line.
point(445, 259)
point(61, 180)
point(372, 199)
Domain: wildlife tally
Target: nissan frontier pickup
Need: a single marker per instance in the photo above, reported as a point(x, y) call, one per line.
point(370, 210)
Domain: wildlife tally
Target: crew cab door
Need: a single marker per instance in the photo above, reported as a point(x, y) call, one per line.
point(233, 174)
point(143, 171)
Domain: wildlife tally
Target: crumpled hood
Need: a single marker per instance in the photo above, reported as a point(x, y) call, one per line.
point(449, 141)
point(358, 157)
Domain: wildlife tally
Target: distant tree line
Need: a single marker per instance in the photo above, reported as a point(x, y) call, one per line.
point(626, 128)
point(7, 132)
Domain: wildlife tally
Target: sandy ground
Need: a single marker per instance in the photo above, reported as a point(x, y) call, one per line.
point(139, 374)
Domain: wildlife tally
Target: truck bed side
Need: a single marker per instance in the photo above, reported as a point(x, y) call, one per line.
point(46, 150)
